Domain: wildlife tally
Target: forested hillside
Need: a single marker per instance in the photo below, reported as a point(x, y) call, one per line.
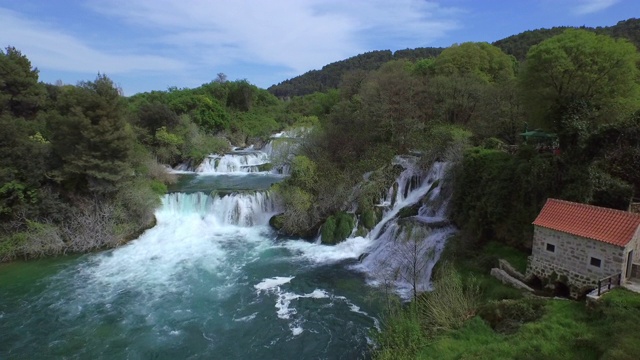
point(82, 167)
point(518, 45)
point(473, 94)
point(329, 77)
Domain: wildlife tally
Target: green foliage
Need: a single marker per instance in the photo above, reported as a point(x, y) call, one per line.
point(328, 231)
point(368, 219)
point(297, 203)
point(424, 67)
point(507, 316)
point(515, 257)
point(303, 172)
point(617, 317)
point(518, 45)
point(580, 66)
point(337, 228)
point(480, 60)
point(156, 115)
point(452, 301)
point(560, 334)
point(20, 93)
point(158, 187)
point(344, 226)
point(497, 195)
point(402, 337)
point(91, 138)
point(493, 144)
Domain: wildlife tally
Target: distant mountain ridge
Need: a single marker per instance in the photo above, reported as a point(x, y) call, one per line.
point(330, 75)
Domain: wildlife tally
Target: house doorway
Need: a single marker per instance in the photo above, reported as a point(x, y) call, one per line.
point(629, 264)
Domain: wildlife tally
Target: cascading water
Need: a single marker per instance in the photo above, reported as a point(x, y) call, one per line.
point(247, 209)
point(404, 254)
point(388, 250)
point(244, 162)
point(210, 280)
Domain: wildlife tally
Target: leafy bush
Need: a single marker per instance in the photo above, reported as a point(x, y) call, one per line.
point(507, 316)
point(158, 187)
point(402, 336)
point(451, 302)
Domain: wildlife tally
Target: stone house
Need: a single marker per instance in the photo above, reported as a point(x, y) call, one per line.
point(577, 245)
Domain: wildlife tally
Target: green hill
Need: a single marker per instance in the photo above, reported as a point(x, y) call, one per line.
point(330, 75)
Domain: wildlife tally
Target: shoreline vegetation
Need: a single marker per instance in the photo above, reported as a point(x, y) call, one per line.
point(81, 169)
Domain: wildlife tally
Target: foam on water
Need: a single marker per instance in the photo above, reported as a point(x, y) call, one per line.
point(318, 253)
point(271, 283)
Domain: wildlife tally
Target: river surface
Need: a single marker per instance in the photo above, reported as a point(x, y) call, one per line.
point(210, 281)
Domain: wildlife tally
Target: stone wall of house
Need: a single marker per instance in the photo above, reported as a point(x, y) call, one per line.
point(635, 271)
point(570, 262)
point(635, 244)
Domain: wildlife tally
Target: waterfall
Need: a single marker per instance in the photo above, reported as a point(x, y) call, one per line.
point(397, 251)
point(239, 162)
point(241, 209)
point(404, 250)
point(410, 187)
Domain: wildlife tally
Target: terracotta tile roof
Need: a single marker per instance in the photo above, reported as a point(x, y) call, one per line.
point(608, 225)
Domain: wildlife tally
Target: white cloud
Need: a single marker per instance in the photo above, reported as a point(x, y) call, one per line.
point(593, 6)
point(49, 48)
point(296, 34)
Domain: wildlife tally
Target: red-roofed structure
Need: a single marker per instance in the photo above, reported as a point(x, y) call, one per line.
point(579, 244)
point(614, 227)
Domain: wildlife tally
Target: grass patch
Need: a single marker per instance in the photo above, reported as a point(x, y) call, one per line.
point(519, 328)
point(562, 333)
point(515, 257)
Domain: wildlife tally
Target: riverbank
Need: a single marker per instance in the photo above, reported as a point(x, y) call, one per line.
point(505, 323)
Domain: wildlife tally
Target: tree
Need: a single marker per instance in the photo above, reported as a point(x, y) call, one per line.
point(91, 138)
point(580, 68)
point(481, 60)
point(221, 78)
point(20, 93)
point(153, 116)
point(413, 256)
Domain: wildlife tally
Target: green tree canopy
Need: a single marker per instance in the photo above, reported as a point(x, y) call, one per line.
point(481, 59)
point(20, 92)
point(580, 67)
point(91, 137)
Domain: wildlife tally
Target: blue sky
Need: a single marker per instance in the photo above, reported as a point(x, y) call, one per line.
point(148, 45)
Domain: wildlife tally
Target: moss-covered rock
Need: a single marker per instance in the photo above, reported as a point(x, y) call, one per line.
point(328, 231)
point(409, 211)
point(265, 167)
point(368, 219)
point(277, 221)
point(337, 228)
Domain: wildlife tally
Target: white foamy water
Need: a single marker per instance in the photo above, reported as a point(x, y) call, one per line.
point(284, 299)
point(318, 253)
point(268, 284)
point(242, 209)
point(210, 280)
point(245, 162)
point(399, 254)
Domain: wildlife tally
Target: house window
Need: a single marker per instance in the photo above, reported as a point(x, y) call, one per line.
point(595, 262)
point(551, 247)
